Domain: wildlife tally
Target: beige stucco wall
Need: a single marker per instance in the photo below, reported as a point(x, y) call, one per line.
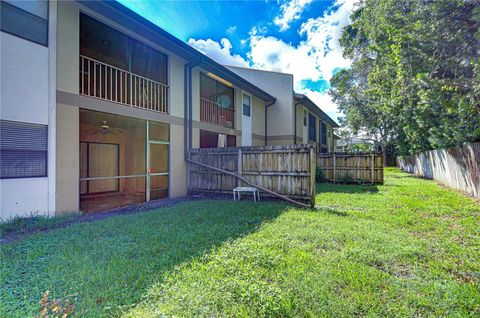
point(299, 131)
point(68, 46)
point(68, 158)
point(279, 85)
point(258, 117)
point(176, 89)
point(178, 167)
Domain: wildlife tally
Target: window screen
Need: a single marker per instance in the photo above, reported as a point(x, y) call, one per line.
point(25, 19)
point(23, 150)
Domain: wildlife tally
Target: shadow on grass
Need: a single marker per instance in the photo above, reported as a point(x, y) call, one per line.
point(345, 188)
point(330, 210)
point(111, 263)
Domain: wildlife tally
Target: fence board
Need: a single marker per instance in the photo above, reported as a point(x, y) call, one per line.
point(352, 167)
point(457, 167)
point(286, 169)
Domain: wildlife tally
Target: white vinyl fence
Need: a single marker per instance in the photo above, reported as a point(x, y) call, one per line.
point(457, 167)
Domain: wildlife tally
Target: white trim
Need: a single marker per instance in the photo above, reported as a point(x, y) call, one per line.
point(52, 105)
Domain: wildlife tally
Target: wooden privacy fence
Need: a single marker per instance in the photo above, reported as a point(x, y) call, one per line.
point(286, 169)
point(457, 167)
point(351, 167)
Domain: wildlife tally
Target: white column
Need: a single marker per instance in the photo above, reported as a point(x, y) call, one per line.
point(52, 104)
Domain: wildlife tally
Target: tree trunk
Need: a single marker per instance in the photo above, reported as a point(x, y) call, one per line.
point(385, 155)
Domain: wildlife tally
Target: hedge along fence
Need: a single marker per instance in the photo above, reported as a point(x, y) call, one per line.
point(286, 169)
point(457, 167)
point(351, 167)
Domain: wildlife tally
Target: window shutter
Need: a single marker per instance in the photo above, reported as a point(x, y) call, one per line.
point(23, 149)
point(19, 22)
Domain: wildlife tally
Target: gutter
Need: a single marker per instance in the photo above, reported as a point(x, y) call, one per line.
point(187, 108)
point(295, 123)
point(266, 112)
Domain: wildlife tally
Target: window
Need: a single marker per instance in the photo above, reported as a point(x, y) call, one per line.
point(105, 44)
point(23, 150)
point(312, 131)
point(246, 105)
point(323, 130)
point(25, 19)
point(305, 118)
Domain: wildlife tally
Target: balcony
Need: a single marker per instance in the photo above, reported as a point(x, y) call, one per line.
point(213, 113)
point(113, 84)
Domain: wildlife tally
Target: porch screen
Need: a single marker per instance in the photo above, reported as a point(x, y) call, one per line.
point(105, 44)
point(216, 92)
point(99, 160)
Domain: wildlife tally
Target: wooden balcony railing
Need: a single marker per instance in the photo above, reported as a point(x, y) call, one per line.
point(110, 83)
point(211, 112)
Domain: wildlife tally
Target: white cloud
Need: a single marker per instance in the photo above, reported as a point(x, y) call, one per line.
point(231, 30)
point(314, 58)
point(270, 53)
point(324, 101)
point(290, 11)
point(219, 52)
point(323, 35)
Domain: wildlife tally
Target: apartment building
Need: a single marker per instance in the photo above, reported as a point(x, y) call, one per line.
point(99, 108)
point(295, 119)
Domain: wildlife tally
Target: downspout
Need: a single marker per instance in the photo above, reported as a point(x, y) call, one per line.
point(295, 123)
point(266, 112)
point(187, 97)
point(190, 105)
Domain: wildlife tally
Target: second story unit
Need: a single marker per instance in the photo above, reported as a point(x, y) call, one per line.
point(116, 67)
point(295, 118)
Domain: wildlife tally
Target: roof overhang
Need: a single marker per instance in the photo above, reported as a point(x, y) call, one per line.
point(311, 106)
point(122, 15)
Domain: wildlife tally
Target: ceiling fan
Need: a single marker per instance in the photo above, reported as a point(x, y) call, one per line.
point(105, 129)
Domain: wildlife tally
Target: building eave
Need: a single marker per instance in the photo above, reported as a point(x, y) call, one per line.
point(314, 108)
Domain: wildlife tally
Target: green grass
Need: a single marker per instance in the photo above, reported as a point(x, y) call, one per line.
point(407, 248)
point(23, 225)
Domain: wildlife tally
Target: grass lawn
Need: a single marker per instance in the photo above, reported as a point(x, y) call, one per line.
point(407, 248)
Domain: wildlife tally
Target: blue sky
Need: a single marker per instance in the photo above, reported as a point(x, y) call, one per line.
point(292, 36)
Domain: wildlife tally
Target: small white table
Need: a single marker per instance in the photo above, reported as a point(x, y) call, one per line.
point(238, 190)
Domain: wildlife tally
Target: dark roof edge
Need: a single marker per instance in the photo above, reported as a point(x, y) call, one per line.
point(315, 109)
point(113, 10)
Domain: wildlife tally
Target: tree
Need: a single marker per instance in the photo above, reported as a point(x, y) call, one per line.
point(414, 83)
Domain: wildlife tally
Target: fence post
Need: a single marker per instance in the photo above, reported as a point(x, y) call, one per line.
point(239, 166)
point(373, 168)
point(334, 168)
point(313, 170)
